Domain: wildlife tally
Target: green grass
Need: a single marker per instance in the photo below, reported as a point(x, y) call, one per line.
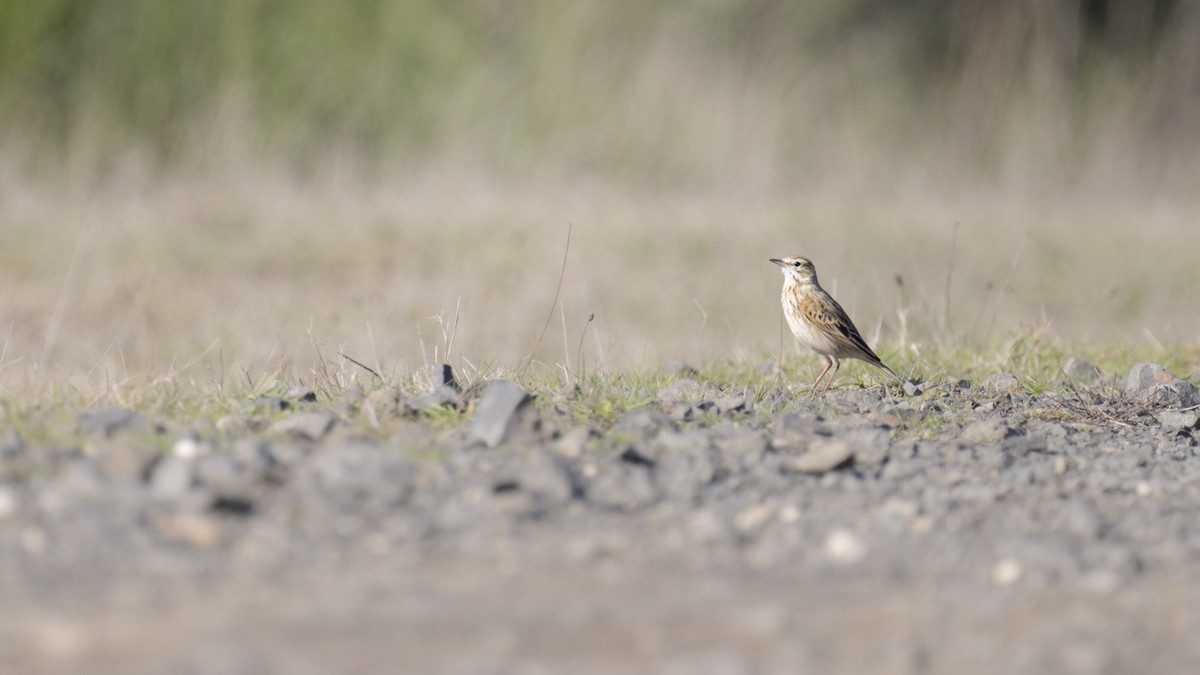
point(662, 90)
point(597, 400)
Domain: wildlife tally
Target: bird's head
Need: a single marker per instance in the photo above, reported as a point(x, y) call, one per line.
point(797, 268)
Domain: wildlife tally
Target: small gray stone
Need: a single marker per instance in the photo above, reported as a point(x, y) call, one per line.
point(639, 455)
point(870, 445)
point(742, 442)
point(255, 455)
point(503, 402)
point(1080, 370)
point(1150, 381)
point(685, 389)
point(572, 444)
point(741, 449)
point(383, 405)
point(912, 389)
point(239, 425)
point(621, 486)
point(546, 480)
point(310, 426)
point(109, 420)
point(124, 460)
point(795, 431)
point(824, 454)
point(1019, 445)
point(228, 478)
point(283, 453)
point(11, 444)
point(442, 375)
point(728, 404)
point(1143, 376)
point(172, 479)
point(438, 399)
point(989, 430)
point(300, 394)
point(1003, 382)
point(362, 479)
point(1171, 419)
point(680, 411)
point(679, 441)
point(641, 424)
point(683, 472)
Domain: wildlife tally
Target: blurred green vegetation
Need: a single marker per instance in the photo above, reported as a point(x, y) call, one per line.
point(657, 85)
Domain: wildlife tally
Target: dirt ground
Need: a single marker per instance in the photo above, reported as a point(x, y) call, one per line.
point(961, 527)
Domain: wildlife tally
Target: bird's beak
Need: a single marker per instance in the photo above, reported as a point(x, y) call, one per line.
point(777, 261)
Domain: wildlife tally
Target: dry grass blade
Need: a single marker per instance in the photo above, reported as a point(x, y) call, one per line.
point(360, 364)
point(549, 316)
point(1105, 405)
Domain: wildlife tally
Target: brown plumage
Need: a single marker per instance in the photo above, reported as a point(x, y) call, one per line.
point(819, 322)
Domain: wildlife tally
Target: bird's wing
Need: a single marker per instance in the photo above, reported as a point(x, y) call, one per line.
point(835, 320)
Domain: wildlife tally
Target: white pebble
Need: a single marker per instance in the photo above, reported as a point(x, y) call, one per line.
point(789, 514)
point(753, 518)
point(1006, 572)
point(187, 448)
point(8, 502)
point(844, 548)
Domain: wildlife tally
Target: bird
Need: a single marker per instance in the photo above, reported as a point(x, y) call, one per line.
point(819, 322)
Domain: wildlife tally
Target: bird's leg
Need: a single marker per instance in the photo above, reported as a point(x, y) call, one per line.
point(829, 364)
point(835, 364)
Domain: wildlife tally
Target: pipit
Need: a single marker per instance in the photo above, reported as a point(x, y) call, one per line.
point(819, 322)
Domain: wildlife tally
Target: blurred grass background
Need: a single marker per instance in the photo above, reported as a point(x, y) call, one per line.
point(193, 188)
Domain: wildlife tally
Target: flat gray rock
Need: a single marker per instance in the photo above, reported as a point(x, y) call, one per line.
point(309, 426)
point(1003, 382)
point(440, 398)
point(794, 432)
point(123, 459)
point(990, 430)
point(684, 389)
point(870, 445)
point(1172, 419)
point(572, 444)
point(227, 477)
point(109, 420)
point(620, 486)
point(361, 479)
point(686, 468)
point(823, 454)
point(728, 404)
point(542, 479)
point(1080, 370)
point(642, 423)
point(1152, 382)
point(497, 413)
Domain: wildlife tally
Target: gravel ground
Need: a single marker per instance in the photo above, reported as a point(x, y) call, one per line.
point(942, 528)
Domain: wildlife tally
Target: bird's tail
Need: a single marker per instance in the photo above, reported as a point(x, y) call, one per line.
point(888, 370)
